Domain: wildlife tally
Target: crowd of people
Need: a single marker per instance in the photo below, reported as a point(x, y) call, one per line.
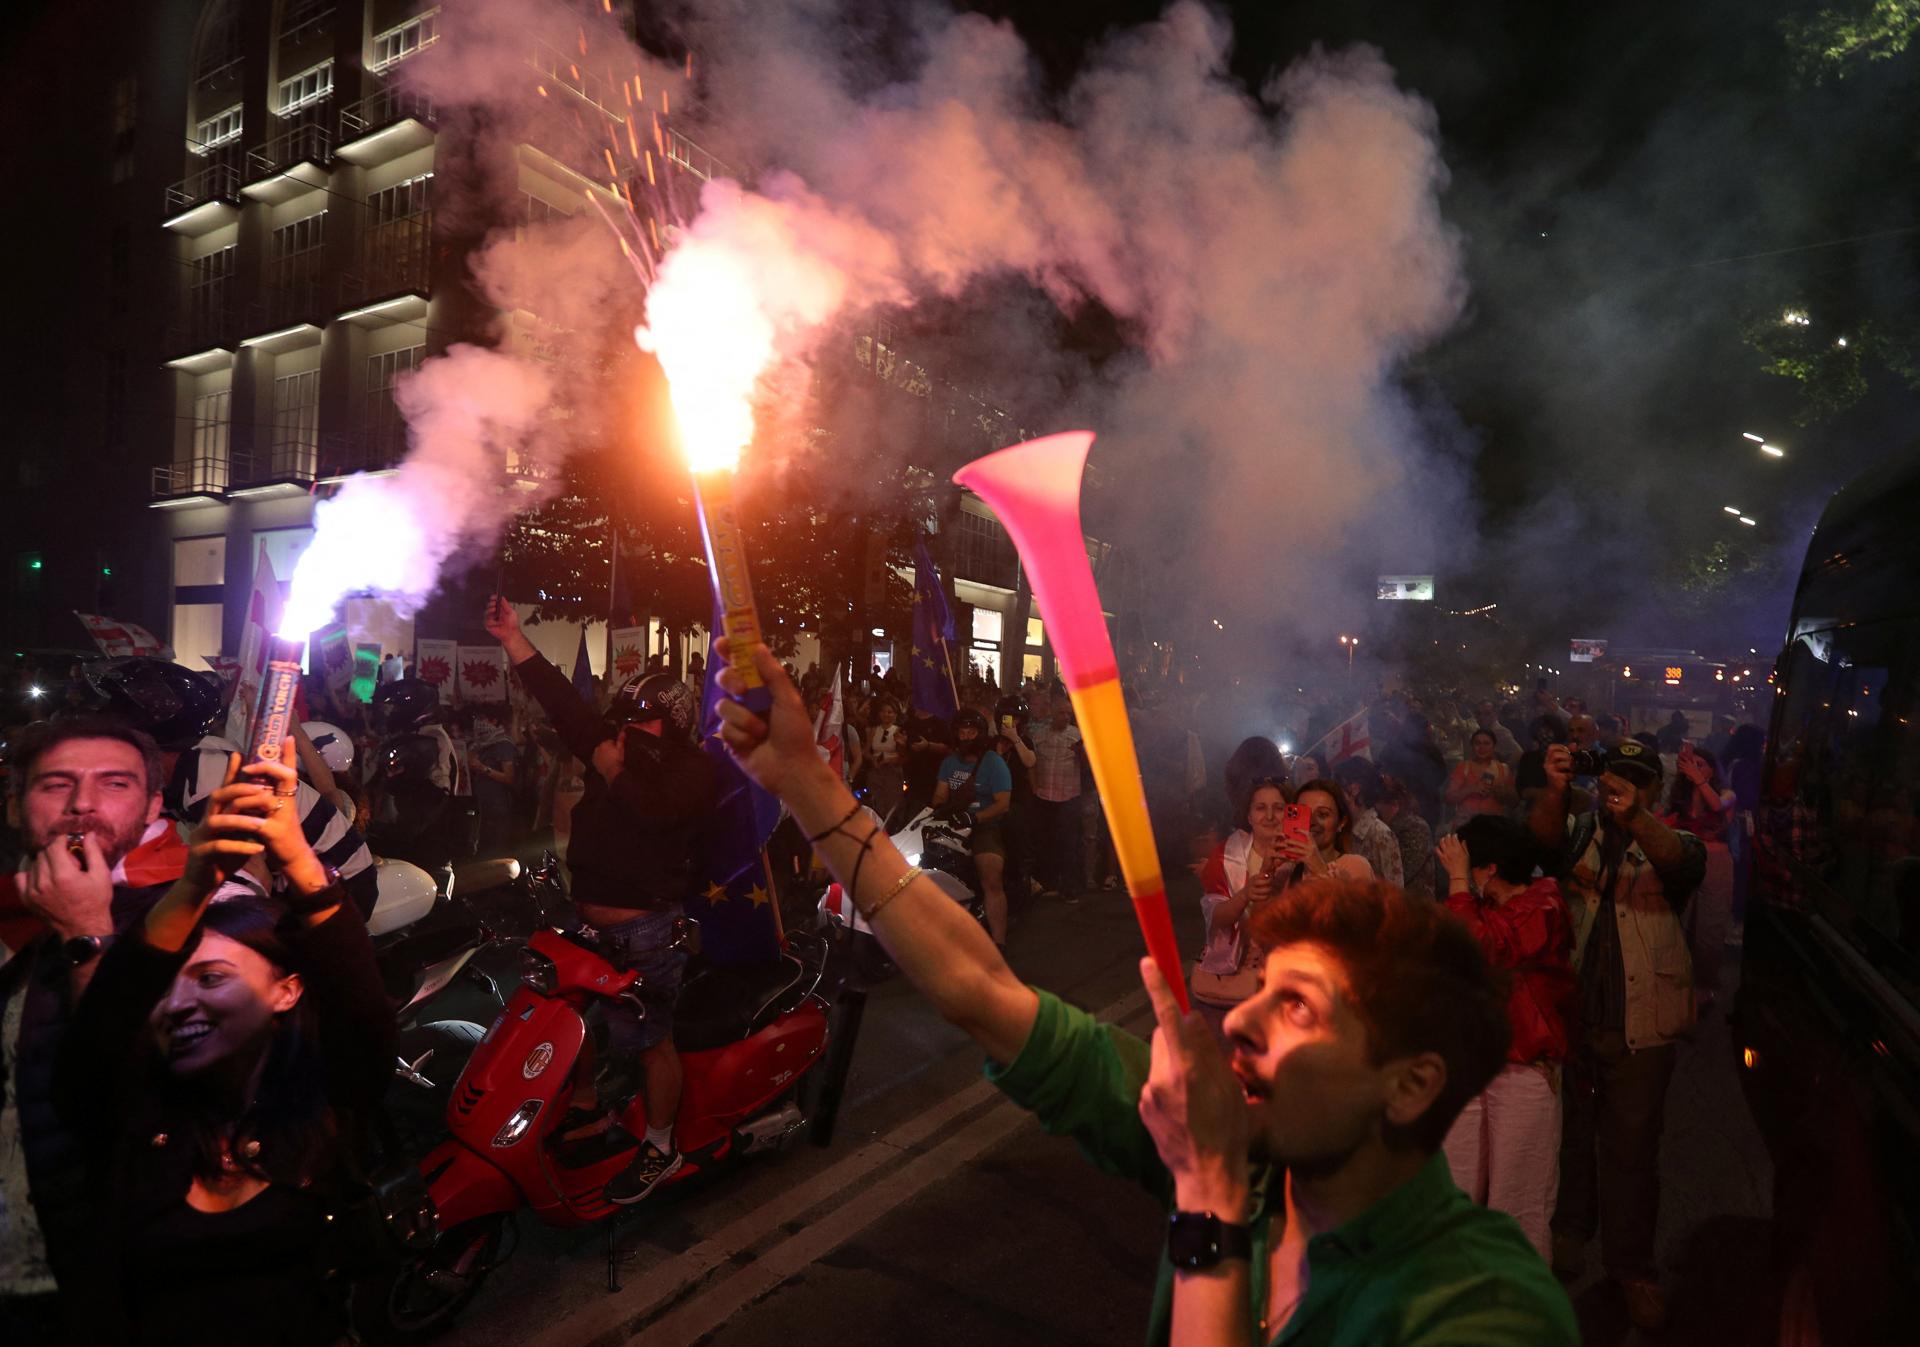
point(1594, 875)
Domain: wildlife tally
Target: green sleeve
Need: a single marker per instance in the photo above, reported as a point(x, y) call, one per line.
point(1082, 1079)
point(1519, 1307)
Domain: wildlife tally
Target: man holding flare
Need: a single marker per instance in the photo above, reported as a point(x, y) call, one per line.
point(1309, 1201)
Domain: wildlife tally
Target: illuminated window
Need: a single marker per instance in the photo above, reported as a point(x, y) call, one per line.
point(1036, 632)
point(403, 40)
point(986, 624)
point(219, 129)
point(306, 88)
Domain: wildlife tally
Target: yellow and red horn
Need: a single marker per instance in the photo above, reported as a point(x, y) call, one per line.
point(1034, 488)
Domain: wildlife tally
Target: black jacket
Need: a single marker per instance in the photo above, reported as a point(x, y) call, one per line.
point(638, 841)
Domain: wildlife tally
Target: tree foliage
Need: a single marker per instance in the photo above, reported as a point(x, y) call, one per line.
point(1832, 42)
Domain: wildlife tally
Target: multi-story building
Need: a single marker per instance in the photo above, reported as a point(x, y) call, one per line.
point(270, 266)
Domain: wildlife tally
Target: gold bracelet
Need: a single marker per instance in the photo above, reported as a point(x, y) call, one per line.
point(913, 872)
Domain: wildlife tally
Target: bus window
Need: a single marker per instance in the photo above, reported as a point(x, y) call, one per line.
point(1847, 765)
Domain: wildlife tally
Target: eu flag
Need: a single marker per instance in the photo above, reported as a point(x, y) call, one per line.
point(735, 908)
point(583, 670)
point(932, 656)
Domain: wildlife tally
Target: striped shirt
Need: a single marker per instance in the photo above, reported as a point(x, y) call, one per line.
point(340, 848)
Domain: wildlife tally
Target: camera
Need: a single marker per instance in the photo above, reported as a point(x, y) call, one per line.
point(1588, 762)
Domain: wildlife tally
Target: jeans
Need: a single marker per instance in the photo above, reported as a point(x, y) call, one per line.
point(1057, 844)
point(642, 944)
point(1504, 1149)
point(1615, 1099)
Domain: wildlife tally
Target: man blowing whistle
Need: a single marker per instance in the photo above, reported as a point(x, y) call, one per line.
point(1308, 1199)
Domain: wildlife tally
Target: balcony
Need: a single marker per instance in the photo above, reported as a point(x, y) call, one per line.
point(370, 449)
point(394, 258)
point(203, 201)
point(294, 161)
point(286, 468)
point(385, 125)
point(293, 298)
point(194, 481)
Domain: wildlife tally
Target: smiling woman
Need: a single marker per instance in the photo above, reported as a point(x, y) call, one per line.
point(254, 1030)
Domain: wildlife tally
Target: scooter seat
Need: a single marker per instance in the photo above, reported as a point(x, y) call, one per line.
point(723, 1003)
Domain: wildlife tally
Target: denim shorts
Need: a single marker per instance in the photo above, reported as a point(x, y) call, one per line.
point(642, 944)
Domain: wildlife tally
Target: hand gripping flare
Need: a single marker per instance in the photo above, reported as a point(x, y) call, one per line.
point(1034, 488)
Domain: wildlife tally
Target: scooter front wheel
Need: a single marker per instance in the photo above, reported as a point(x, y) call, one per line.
point(426, 1294)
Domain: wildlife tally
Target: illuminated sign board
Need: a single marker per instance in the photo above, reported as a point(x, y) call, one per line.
point(1416, 588)
point(1586, 651)
point(1674, 672)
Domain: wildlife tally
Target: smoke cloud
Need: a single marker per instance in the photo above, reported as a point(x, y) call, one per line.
point(1273, 258)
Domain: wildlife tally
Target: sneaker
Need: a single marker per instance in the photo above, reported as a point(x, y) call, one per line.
point(1646, 1305)
point(653, 1167)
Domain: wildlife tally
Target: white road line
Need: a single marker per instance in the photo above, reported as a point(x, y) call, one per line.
point(611, 1317)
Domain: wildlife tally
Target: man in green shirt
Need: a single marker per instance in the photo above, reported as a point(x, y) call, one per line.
point(1310, 1202)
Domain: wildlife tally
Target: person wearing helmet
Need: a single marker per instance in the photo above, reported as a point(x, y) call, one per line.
point(415, 818)
point(975, 779)
point(184, 711)
point(636, 854)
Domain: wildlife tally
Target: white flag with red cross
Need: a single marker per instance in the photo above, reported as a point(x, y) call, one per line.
point(828, 726)
point(116, 638)
point(1346, 740)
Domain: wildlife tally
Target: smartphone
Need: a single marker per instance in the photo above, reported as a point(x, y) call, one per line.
point(1006, 724)
point(1296, 822)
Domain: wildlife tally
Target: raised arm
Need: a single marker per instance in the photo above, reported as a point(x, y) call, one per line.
point(942, 950)
point(579, 725)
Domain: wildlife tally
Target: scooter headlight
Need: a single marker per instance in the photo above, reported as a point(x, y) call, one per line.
point(518, 1125)
point(913, 858)
point(538, 972)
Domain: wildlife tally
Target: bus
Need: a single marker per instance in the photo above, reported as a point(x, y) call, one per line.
point(1827, 1019)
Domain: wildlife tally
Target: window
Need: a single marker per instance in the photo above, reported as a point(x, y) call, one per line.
point(386, 429)
point(403, 40)
point(983, 551)
point(195, 633)
point(211, 426)
point(283, 548)
point(1036, 632)
point(986, 625)
point(209, 291)
point(303, 19)
point(394, 249)
point(199, 561)
point(220, 129)
point(296, 423)
point(306, 88)
point(296, 268)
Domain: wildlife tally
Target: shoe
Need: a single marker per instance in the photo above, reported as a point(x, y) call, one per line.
point(1646, 1305)
point(1569, 1256)
point(653, 1167)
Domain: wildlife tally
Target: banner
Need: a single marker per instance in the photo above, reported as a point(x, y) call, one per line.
point(366, 670)
point(483, 673)
point(629, 647)
point(263, 615)
point(332, 657)
point(116, 638)
point(433, 661)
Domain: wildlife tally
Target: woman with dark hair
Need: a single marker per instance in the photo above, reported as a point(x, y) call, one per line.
point(1234, 882)
point(1328, 849)
point(217, 1063)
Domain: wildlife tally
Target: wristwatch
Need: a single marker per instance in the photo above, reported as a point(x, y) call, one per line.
point(83, 948)
point(1199, 1239)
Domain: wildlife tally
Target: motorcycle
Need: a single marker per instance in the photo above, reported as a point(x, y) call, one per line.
point(426, 937)
point(936, 841)
point(764, 1052)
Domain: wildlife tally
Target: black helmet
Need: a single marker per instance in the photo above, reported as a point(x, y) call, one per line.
point(654, 696)
point(175, 705)
point(404, 705)
point(966, 716)
point(1014, 705)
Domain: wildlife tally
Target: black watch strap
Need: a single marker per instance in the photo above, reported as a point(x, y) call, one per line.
point(1200, 1239)
point(83, 949)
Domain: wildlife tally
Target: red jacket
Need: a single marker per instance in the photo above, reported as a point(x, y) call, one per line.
point(1531, 937)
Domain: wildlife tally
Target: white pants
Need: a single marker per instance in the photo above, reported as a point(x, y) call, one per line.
point(1504, 1149)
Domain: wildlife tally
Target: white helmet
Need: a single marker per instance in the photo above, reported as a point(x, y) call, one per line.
point(334, 743)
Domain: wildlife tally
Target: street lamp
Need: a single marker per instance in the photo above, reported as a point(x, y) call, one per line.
point(1352, 643)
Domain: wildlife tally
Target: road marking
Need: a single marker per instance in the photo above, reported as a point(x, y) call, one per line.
point(615, 1318)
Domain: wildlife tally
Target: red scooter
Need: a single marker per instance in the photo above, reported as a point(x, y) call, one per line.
point(760, 1064)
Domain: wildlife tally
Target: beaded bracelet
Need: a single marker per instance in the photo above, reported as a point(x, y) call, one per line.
point(913, 872)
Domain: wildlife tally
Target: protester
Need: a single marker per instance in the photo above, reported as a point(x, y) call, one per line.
point(245, 1037)
point(1504, 1149)
point(1372, 839)
point(1505, 747)
point(1529, 774)
point(1482, 784)
point(1329, 846)
point(638, 841)
point(974, 781)
point(1305, 768)
point(1701, 805)
point(1626, 875)
point(1415, 837)
point(886, 751)
point(1377, 1020)
point(929, 740)
point(1011, 726)
point(1056, 800)
point(494, 763)
point(1235, 883)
